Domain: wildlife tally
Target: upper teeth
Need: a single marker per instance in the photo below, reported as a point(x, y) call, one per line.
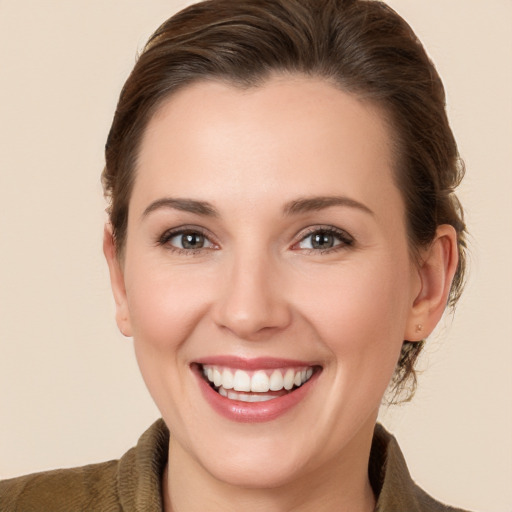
point(260, 381)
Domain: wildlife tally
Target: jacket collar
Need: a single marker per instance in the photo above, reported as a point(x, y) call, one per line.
point(139, 477)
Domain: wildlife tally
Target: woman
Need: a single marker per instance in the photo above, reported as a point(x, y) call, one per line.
point(282, 218)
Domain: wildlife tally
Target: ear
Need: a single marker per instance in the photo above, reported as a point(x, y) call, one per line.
point(436, 269)
point(116, 281)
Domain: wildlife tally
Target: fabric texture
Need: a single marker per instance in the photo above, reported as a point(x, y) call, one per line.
point(133, 483)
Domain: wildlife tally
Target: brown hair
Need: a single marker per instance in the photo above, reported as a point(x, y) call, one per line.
point(361, 46)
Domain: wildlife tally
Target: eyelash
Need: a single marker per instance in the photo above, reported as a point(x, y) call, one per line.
point(345, 240)
point(168, 235)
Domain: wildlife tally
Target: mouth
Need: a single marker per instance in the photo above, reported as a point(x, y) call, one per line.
point(256, 385)
point(255, 390)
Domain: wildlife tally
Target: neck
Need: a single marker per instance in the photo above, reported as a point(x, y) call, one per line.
point(342, 485)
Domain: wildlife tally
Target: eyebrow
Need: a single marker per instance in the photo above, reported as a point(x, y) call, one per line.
point(316, 203)
point(302, 205)
point(185, 205)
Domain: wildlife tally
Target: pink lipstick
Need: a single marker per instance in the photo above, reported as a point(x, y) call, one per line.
point(254, 390)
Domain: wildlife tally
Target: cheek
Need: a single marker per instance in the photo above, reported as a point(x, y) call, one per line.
point(360, 319)
point(164, 307)
point(360, 312)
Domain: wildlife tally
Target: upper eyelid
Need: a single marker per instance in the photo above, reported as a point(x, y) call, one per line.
point(305, 232)
point(187, 228)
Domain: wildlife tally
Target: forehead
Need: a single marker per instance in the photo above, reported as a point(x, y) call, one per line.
point(290, 136)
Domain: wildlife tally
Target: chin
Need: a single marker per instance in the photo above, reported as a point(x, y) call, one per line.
point(255, 472)
point(260, 458)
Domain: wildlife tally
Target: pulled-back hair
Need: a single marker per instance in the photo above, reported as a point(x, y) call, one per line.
point(361, 46)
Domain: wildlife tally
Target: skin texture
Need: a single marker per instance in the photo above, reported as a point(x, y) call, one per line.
point(258, 289)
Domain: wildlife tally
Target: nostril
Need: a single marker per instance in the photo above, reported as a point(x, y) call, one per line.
point(251, 305)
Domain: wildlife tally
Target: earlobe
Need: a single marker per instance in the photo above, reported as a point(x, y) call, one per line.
point(436, 270)
point(116, 281)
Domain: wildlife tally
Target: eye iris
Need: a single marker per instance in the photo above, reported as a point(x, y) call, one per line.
point(322, 241)
point(192, 241)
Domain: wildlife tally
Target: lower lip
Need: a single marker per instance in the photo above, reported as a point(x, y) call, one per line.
point(253, 412)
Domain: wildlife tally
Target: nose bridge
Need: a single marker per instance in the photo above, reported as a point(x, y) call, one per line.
point(252, 302)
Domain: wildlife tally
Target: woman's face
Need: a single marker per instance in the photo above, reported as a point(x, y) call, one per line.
point(266, 248)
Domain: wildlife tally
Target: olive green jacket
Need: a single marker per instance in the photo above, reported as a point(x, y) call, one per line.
point(133, 483)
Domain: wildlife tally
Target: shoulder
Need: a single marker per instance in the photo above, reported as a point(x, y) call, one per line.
point(129, 484)
point(91, 487)
point(392, 483)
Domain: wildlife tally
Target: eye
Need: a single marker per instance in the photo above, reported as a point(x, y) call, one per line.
point(324, 239)
point(188, 240)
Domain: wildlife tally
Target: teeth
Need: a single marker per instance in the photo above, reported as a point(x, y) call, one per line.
point(289, 377)
point(227, 379)
point(241, 381)
point(217, 377)
point(244, 397)
point(260, 382)
point(276, 381)
point(230, 381)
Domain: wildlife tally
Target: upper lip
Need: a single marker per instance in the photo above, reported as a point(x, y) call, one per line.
point(258, 363)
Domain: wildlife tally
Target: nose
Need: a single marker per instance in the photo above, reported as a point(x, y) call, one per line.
point(252, 301)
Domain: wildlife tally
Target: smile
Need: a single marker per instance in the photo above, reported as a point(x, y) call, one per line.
point(255, 386)
point(255, 390)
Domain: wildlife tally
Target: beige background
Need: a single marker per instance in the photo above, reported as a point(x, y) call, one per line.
point(70, 392)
